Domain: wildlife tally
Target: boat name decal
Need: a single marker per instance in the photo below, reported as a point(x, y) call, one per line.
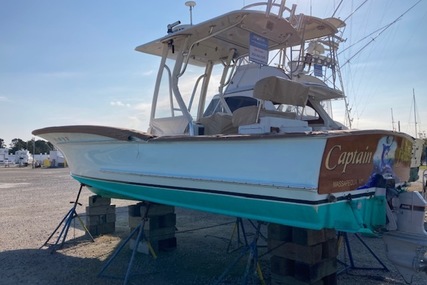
point(347, 158)
point(355, 162)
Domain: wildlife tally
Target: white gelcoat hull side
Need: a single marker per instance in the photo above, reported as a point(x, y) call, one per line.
point(272, 178)
point(262, 166)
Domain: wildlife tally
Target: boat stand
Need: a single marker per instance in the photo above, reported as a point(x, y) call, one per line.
point(238, 229)
point(66, 223)
point(140, 237)
point(252, 264)
point(343, 235)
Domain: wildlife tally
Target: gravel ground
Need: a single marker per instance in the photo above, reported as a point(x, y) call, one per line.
point(33, 202)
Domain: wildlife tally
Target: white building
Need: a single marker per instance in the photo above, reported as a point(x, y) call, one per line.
point(4, 155)
point(54, 159)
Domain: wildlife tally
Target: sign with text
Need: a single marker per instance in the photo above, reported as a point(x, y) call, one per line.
point(258, 49)
point(355, 161)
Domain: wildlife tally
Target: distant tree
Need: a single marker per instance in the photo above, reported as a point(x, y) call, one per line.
point(39, 146)
point(17, 144)
point(2, 144)
point(34, 147)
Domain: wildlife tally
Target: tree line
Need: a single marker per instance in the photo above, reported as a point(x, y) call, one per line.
point(33, 146)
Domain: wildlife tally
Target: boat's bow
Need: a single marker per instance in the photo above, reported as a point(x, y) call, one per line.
point(89, 132)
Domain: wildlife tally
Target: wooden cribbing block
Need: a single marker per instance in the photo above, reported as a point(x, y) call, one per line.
point(311, 237)
point(315, 272)
point(156, 210)
point(100, 210)
point(155, 222)
point(134, 222)
point(282, 266)
point(280, 232)
point(159, 226)
point(160, 234)
point(302, 256)
point(330, 248)
point(158, 222)
point(138, 210)
point(134, 210)
point(96, 200)
point(107, 228)
point(100, 216)
point(94, 220)
point(293, 251)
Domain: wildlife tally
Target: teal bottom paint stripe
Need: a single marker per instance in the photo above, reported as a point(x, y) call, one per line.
point(339, 215)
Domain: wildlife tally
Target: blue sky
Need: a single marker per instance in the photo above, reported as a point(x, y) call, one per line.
point(73, 62)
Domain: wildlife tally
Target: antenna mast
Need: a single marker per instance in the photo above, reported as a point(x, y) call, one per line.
point(190, 4)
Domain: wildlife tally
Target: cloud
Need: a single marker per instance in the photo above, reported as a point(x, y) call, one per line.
point(4, 99)
point(148, 73)
point(143, 107)
point(137, 123)
point(120, 104)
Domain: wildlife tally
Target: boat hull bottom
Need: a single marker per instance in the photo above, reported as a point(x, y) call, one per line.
point(356, 215)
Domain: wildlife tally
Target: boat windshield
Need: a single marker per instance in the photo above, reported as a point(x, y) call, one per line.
point(233, 103)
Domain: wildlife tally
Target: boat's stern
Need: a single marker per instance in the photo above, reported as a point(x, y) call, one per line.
point(357, 160)
point(378, 163)
point(358, 167)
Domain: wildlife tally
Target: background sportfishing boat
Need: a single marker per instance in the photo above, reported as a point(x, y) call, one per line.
point(265, 147)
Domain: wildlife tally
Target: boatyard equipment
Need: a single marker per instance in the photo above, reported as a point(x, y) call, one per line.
point(66, 223)
point(343, 239)
point(140, 237)
point(252, 264)
point(238, 226)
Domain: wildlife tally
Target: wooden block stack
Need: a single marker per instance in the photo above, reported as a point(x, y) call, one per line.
point(100, 216)
point(302, 256)
point(159, 227)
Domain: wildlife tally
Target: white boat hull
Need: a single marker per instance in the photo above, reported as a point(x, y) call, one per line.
point(272, 178)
